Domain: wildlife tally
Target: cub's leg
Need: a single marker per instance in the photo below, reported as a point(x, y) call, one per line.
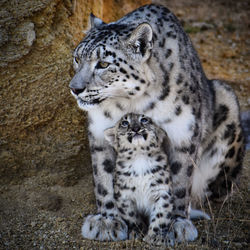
point(223, 150)
point(106, 225)
point(160, 219)
point(128, 213)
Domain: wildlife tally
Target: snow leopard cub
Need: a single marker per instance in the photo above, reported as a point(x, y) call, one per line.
point(142, 182)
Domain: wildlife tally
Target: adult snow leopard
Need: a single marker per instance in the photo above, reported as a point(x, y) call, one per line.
point(145, 63)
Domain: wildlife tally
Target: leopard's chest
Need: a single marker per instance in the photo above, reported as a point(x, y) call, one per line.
point(102, 118)
point(177, 120)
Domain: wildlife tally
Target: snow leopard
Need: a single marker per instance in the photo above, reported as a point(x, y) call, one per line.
point(142, 180)
point(145, 63)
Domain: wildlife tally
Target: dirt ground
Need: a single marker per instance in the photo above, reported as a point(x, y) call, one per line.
point(37, 214)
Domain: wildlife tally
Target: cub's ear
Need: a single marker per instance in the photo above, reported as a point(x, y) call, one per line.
point(140, 39)
point(109, 135)
point(95, 21)
point(164, 140)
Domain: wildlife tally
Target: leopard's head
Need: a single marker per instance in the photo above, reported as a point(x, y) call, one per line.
point(135, 130)
point(111, 63)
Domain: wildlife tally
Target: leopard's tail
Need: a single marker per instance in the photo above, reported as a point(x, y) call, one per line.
point(195, 214)
point(245, 122)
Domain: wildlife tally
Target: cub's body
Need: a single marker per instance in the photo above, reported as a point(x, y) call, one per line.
point(142, 181)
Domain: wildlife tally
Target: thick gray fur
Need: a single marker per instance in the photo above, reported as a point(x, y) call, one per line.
point(145, 63)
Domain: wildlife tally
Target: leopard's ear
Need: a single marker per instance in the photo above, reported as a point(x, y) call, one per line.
point(109, 135)
point(140, 39)
point(95, 21)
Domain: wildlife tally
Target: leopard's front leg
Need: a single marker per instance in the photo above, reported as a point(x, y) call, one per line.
point(105, 225)
point(182, 165)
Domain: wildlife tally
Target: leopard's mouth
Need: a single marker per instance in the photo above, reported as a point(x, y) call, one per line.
point(87, 105)
point(90, 102)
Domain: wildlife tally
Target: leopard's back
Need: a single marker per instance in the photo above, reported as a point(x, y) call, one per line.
point(223, 149)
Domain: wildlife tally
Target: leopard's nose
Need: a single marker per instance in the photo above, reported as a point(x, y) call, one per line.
point(78, 83)
point(77, 91)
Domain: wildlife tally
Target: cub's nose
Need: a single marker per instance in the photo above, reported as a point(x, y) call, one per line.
point(136, 128)
point(77, 91)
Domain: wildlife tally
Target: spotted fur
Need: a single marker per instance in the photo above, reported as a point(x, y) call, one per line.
point(145, 63)
point(142, 181)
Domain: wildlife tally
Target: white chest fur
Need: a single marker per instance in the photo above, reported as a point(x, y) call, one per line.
point(140, 179)
point(98, 122)
point(179, 128)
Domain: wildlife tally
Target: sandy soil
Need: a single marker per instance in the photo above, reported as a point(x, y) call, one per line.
point(37, 214)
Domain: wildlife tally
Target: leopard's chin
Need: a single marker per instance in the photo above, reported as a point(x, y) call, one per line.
point(86, 105)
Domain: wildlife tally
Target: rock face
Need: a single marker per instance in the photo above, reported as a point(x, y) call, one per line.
point(41, 129)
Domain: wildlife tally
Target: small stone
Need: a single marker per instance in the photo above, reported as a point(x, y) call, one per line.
point(203, 25)
point(248, 101)
point(238, 245)
point(33, 224)
point(180, 13)
point(49, 201)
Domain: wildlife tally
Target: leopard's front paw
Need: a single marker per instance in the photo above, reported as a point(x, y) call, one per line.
point(184, 230)
point(98, 227)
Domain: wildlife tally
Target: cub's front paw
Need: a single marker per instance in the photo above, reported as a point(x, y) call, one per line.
point(98, 227)
point(157, 239)
point(184, 230)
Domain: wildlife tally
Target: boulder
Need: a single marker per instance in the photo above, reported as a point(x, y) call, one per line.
point(41, 129)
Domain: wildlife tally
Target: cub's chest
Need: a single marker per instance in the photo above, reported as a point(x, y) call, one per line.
point(136, 178)
point(141, 165)
point(138, 191)
point(138, 174)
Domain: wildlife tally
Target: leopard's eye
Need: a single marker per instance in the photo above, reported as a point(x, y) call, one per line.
point(144, 120)
point(124, 123)
point(77, 59)
point(102, 65)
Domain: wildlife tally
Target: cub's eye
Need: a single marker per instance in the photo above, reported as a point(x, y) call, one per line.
point(77, 60)
point(144, 120)
point(102, 65)
point(124, 124)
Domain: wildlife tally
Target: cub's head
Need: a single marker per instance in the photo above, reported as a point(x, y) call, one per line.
point(135, 130)
point(111, 63)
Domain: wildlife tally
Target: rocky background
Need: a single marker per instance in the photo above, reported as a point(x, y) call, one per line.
point(45, 173)
point(41, 128)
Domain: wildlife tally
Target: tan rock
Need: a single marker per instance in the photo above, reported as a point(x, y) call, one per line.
point(41, 127)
